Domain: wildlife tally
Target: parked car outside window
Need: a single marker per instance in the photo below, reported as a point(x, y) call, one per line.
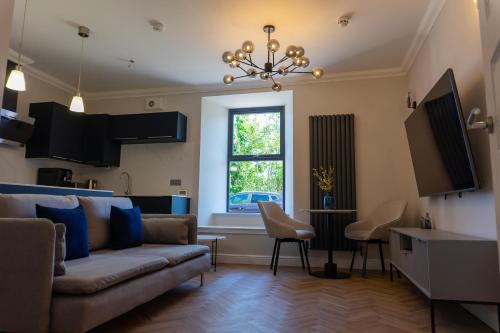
point(246, 202)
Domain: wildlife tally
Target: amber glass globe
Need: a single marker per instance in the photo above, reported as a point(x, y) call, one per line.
point(273, 45)
point(228, 79)
point(291, 51)
point(240, 54)
point(227, 57)
point(277, 87)
point(248, 46)
point(317, 72)
point(300, 51)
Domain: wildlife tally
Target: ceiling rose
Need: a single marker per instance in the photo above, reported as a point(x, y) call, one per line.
point(293, 62)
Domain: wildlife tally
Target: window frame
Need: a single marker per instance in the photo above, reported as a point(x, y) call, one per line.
point(255, 158)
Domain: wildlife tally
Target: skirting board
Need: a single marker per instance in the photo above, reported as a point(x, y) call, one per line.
point(372, 263)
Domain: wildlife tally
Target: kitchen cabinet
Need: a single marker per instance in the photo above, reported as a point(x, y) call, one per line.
point(166, 204)
point(99, 149)
point(155, 127)
point(58, 133)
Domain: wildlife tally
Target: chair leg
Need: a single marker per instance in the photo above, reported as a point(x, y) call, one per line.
point(274, 253)
point(353, 255)
point(364, 260)
point(301, 254)
point(276, 258)
point(381, 256)
point(307, 256)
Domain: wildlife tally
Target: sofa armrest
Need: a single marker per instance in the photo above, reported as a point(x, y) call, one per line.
point(26, 272)
point(190, 220)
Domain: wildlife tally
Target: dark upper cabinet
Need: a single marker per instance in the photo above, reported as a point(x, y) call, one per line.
point(149, 127)
point(58, 133)
point(99, 149)
point(76, 137)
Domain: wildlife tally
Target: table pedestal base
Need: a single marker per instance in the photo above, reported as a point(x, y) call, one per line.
point(331, 272)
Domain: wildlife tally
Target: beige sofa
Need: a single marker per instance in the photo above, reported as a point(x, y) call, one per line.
point(94, 289)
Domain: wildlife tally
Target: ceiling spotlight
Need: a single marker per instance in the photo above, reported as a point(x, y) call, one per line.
point(343, 21)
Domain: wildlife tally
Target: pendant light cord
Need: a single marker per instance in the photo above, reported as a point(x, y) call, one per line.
point(81, 67)
point(22, 34)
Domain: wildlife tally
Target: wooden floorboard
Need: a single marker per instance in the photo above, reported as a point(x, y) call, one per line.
point(243, 298)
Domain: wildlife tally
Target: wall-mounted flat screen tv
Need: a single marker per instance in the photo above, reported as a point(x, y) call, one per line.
point(439, 144)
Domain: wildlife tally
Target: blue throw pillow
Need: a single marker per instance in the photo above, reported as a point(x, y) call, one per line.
point(77, 236)
point(126, 227)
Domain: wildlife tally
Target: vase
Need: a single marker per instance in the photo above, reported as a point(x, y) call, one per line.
point(329, 201)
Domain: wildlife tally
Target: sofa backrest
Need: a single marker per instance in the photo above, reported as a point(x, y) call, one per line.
point(98, 210)
point(24, 205)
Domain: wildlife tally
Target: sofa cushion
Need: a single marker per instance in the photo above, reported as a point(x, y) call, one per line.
point(103, 270)
point(23, 205)
point(60, 249)
point(175, 254)
point(98, 210)
point(165, 231)
point(126, 228)
point(77, 240)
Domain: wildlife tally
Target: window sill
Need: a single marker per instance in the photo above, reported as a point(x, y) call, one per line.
point(235, 214)
point(232, 230)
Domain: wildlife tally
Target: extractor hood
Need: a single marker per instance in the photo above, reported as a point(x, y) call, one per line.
point(12, 130)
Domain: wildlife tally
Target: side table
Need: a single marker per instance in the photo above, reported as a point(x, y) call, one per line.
point(214, 240)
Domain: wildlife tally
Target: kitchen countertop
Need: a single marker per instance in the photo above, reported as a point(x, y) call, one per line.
point(16, 188)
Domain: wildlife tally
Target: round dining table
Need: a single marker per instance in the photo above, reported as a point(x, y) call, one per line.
point(330, 268)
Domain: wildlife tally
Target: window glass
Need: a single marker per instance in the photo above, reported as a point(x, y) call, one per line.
point(256, 134)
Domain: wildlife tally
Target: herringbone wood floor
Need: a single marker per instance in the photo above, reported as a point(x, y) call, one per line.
point(241, 298)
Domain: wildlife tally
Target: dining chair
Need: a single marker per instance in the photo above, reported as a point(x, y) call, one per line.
point(285, 230)
point(375, 229)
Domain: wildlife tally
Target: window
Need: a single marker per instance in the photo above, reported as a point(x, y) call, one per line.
point(255, 158)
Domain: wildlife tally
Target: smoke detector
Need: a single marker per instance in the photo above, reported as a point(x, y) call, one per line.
point(157, 25)
point(343, 21)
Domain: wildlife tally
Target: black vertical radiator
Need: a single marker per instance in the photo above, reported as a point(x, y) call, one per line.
point(331, 143)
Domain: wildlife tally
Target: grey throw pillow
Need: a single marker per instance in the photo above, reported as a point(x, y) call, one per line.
point(165, 231)
point(60, 250)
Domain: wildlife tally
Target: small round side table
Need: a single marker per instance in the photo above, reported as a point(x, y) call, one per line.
point(213, 252)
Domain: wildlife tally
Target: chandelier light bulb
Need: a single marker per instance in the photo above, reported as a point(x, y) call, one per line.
point(264, 75)
point(317, 72)
point(299, 52)
point(234, 64)
point(277, 87)
point(228, 79)
point(248, 46)
point(283, 70)
point(273, 45)
point(227, 57)
point(252, 72)
point(297, 61)
point(291, 51)
point(16, 80)
point(305, 62)
point(240, 54)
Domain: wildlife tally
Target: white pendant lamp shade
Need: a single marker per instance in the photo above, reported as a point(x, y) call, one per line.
point(16, 77)
point(16, 80)
point(77, 104)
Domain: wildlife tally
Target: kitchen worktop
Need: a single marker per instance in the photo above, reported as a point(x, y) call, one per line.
point(16, 188)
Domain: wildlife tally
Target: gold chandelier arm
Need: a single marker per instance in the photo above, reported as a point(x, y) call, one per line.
point(280, 61)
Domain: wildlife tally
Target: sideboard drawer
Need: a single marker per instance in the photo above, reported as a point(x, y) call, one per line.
point(420, 264)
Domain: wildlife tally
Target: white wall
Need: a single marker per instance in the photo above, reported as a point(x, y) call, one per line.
point(213, 161)
point(454, 42)
point(6, 10)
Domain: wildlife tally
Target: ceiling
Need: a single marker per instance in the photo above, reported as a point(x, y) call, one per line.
point(197, 32)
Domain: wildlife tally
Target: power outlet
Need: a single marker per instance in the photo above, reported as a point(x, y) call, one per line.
point(175, 182)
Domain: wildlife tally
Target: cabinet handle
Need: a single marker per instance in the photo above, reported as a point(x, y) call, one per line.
point(127, 138)
point(77, 161)
point(59, 157)
point(160, 137)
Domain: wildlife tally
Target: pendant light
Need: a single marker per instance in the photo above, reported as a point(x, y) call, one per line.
point(77, 100)
point(16, 77)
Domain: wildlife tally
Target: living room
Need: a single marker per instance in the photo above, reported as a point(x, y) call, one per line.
point(210, 126)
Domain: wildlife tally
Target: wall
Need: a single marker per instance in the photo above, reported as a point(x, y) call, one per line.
point(454, 42)
point(382, 156)
point(6, 10)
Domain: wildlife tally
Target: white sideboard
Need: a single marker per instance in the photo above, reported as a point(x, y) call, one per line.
point(447, 266)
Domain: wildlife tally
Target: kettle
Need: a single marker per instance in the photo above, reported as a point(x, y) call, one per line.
point(91, 184)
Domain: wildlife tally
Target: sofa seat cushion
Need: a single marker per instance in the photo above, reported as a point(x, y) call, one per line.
point(175, 254)
point(103, 270)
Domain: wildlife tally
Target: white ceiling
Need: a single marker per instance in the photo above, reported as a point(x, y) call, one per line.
point(196, 33)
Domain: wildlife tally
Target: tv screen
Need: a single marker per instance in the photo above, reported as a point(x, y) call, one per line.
point(439, 144)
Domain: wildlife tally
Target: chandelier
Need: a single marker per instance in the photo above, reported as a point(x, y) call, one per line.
point(242, 59)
